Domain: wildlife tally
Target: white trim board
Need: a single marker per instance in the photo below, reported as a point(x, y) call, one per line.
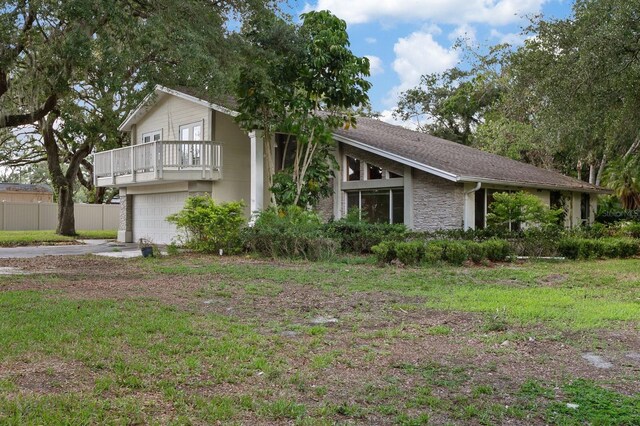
point(154, 96)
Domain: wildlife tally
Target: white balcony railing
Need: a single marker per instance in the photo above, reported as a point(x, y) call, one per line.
point(168, 160)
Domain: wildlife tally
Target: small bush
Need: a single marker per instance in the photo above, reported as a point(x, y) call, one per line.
point(455, 253)
point(358, 236)
point(433, 253)
point(583, 248)
point(385, 252)
point(209, 227)
point(410, 253)
point(497, 250)
point(289, 232)
point(477, 252)
point(630, 229)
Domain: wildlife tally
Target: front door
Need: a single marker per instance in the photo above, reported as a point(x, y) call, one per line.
point(191, 151)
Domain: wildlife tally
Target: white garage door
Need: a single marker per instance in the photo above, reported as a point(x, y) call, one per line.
point(149, 216)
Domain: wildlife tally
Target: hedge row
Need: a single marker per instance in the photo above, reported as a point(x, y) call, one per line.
point(433, 252)
point(584, 248)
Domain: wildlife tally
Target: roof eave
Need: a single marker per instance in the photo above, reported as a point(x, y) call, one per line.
point(417, 165)
point(133, 117)
point(535, 185)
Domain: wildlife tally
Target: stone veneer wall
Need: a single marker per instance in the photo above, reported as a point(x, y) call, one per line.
point(126, 216)
point(437, 203)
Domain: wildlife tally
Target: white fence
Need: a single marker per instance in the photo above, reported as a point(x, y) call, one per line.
point(17, 216)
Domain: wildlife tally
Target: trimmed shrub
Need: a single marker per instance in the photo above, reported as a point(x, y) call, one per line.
point(455, 252)
point(385, 252)
point(497, 250)
point(582, 248)
point(410, 253)
point(357, 236)
point(209, 227)
point(477, 251)
point(289, 232)
point(433, 253)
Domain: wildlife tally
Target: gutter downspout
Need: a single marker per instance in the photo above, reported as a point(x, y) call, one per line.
point(468, 208)
point(478, 186)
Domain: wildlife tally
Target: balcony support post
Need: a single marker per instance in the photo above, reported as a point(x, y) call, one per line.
point(257, 172)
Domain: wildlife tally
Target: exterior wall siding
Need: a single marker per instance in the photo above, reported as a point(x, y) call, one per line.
point(437, 203)
point(168, 115)
point(235, 184)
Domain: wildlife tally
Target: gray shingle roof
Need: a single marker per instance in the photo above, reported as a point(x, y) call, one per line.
point(465, 163)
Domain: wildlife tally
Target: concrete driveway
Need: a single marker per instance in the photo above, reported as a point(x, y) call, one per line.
point(102, 247)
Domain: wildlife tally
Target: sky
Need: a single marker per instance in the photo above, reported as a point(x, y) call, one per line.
point(405, 39)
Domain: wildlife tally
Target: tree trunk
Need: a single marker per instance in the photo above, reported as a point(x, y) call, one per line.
point(66, 213)
point(603, 164)
point(592, 174)
point(62, 181)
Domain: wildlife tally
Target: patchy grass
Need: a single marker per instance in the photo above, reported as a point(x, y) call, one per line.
point(31, 238)
point(199, 340)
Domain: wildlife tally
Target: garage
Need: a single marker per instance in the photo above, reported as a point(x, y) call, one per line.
point(149, 216)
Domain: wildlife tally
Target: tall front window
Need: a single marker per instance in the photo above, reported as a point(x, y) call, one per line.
point(378, 205)
point(353, 169)
point(191, 152)
point(585, 208)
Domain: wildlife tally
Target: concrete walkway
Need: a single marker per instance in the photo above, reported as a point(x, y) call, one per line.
point(94, 246)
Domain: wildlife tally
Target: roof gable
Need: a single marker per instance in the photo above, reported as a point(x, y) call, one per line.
point(159, 93)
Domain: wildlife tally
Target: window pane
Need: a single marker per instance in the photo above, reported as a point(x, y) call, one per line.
point(480, 208)
point(584, 207)
point(398, 206)
point(353, 169)
point(375, 172)
point(394, 175)
point(375, 206)
point(184, 134)
point(353, 200)
point(156, 137)
point(146, 139)
point(197, 133)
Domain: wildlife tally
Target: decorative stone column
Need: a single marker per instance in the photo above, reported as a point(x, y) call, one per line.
point(125, 229)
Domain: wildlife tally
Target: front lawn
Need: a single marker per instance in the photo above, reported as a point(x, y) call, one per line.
point(195, 339)
point(31, 238)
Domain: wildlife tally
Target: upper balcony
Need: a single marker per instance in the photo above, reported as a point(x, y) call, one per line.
point(158, 161)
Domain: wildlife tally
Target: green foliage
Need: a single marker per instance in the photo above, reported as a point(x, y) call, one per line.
point(432, 252)
point(307, 88)
point(410, 253)
point(385, 252)
point(583, 248)
point(452, 102)
point(290, 232)
point(208, 226)
point(455, 252)
point(623, 177)
point(509, 209)
point(497, 250)
point(358, 236)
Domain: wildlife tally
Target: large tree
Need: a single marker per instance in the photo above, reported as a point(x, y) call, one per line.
point(311, 84)
point(74, 69)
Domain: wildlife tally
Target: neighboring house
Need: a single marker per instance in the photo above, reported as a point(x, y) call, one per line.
point(183, 144)
point(26, 193)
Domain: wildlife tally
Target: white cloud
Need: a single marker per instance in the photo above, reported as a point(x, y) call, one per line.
point(464, 32)
point(420, 54)
point(387, 117)
point(371, 40)
point(514, 39)
point(495, 12)
point(375, 64)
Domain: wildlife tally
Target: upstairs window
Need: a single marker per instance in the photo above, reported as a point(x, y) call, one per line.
point(285, 151)
point(374, 172)
point(353, 169)
point(154, 136)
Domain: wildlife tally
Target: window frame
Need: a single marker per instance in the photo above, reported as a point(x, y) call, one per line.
point(390, 192)
point(151, 135)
